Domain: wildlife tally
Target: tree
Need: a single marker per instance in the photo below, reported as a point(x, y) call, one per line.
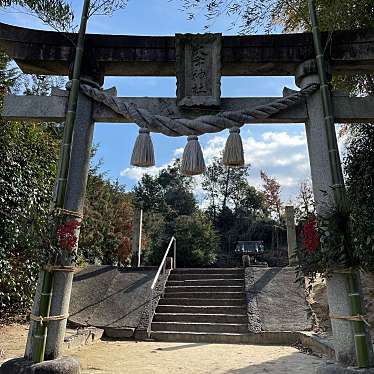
point(28, 161)
point(28, 156)
point(169, 193)
point(248, 200)
point(149, 195)
point(107, 226)
point(155, 238)
point(228, 188)
point(177, 189)
point(197, 241)
point(359, 168)
point(304, 205)
point(292, 15)
point(57, 13)
point(271, 189)
point(170, 208)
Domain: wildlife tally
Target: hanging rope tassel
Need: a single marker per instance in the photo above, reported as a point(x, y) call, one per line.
point(143, 153)
point(193, 159)
point(233, 154)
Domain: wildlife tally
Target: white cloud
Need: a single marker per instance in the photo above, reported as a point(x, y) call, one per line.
point(281, 155)
point(178, 152)
point(136, 173)
point(283, 138)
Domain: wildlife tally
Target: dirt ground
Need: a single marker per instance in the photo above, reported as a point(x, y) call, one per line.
point(192, 358)
point(118, 357)
point(12, 341)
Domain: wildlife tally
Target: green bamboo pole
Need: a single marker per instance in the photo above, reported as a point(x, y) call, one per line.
point(40, 335)
point(72, 109)
point(361, 343)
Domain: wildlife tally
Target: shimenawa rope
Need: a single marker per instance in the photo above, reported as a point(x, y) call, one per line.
point(193, 161)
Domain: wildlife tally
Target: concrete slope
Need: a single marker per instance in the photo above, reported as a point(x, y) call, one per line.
point(280, 301)
point(108, 297)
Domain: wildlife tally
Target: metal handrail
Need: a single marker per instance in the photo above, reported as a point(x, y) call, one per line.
point(161, 267)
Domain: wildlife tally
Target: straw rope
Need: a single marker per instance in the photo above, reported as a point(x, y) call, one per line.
point(62, 211)
point(356, 318)
point(67, 269)
point(201, 125)
point(42, 319)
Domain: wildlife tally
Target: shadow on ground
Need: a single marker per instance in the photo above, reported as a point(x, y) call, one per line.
point(291, 364)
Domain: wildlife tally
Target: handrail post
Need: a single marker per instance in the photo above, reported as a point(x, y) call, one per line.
point(140, 237)
point(161, 268)
point(175, 254)
point(150, 313)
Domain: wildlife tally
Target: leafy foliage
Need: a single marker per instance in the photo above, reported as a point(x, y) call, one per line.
point(170, 209)
point(248, 16)
point(106, 7)
point(359, 167)
point(57, 13)
point(329, 247)
point(272, 191)
point(28, 160)
point(169, 193)
point(227, 189)
point(238, 210)
point(251, 16)
point(197, 241)
point(27, 172)
point(107, 226)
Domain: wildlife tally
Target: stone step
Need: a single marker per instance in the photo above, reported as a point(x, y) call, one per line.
point(200, 318)
point(199, 327)
point(206, 295)
point(262, 338)
point(212, 289)
point(199, 337)
point(208, 276)
point(208, 271)
point(183, 301)
point(201, 309)
point(206, 282)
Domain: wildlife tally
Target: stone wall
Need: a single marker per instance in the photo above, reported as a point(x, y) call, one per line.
point(115, 299)
point(141, 332)
point(275, 302)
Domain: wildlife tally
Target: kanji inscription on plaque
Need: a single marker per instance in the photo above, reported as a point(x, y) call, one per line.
point(198, 69)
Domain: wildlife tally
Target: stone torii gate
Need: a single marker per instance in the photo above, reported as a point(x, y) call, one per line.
point(51, 53)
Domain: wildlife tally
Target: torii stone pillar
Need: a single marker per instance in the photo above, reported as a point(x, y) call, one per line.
point(337, 287)
point(74, 201)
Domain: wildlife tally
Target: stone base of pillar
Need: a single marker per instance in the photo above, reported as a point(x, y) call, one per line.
point(64, 365)
point(334, 368)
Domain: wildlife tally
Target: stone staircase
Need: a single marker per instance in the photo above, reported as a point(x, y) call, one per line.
point(202, 305)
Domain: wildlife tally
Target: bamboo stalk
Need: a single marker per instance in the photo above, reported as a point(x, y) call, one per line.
point(361, 342)
point(359, 330)
point(72, 109)
point(40, 334)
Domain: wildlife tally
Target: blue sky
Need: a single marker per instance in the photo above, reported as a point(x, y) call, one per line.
point(280, 150)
